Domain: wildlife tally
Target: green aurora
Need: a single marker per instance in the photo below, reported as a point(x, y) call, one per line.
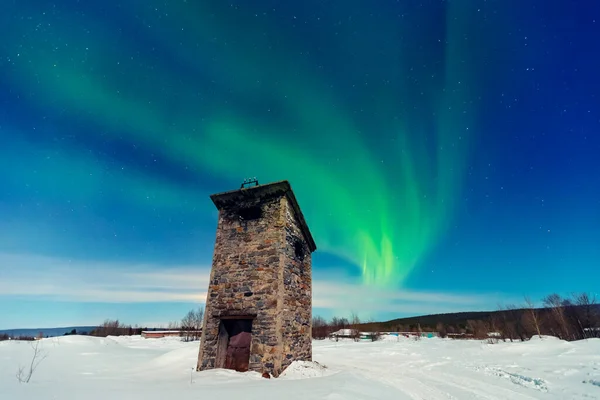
point(376, 155)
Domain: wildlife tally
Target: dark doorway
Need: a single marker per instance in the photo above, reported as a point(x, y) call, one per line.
point(235, 337)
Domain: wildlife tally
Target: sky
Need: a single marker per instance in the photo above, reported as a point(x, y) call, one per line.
point(444, 153)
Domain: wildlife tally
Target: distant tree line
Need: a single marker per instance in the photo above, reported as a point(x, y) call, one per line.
point(569, 318)
point(351, 328)
point(189, 327)
point(27, 338)
point(115, 328)
point(74, 332)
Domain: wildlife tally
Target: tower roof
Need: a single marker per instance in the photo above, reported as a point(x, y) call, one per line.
point(235, 198)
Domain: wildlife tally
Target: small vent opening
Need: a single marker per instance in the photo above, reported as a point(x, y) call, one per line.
point(250, 213)
point(299, 250)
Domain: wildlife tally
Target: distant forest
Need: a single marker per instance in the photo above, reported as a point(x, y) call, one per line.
point(569, 318)
point(189, 326)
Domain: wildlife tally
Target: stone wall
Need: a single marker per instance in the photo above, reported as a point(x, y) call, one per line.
point(255, 273)
point(297, 292)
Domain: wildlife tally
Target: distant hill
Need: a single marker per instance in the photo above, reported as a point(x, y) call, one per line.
point(460, 320)
point(429, 322)
point(48, 332)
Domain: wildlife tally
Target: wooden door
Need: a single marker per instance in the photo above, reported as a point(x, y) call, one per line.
point(238, 348)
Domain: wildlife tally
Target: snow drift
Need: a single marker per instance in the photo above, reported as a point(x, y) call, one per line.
point(132, 367)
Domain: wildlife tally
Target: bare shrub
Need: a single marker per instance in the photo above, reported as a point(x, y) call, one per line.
point(450, 329)
point(479, 329)
point(531, 317)
point(191, 325)
point(494, 323)
point(25, 338)
point(354, 327)
point(320, 328)
point(375, 336)
point(441, 330)
point(339, 323)
point(511, 324)
point(586, 315)
point(24, 375)
point(111, 328)
point(419, 332)
point(187, 325)
point(559, 326)
point(174, 326)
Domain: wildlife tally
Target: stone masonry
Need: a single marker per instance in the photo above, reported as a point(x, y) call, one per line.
point(260, 282)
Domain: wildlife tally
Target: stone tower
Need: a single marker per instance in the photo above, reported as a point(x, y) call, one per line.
point(258, 308)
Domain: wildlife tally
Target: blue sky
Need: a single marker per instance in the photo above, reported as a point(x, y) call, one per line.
point(445, 154)
point(62, 292)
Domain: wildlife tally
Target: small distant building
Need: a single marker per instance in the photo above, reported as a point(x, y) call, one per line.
point(344, 334)
point(460, 335)
point(258, 312)
point(354, 334)
point(162, 334)
point(410, 334)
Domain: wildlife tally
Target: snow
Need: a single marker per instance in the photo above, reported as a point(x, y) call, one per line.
point(133, 367)
point(305, 369)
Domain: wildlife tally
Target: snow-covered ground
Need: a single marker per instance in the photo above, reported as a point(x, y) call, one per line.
point(80, 367)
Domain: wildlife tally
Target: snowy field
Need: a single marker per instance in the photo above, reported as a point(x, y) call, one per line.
point(80, 367)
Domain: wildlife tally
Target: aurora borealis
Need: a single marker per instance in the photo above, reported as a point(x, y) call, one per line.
point(408, 131)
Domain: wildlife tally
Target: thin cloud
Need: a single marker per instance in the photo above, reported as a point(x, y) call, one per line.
point(82, 281)
point(55, 279)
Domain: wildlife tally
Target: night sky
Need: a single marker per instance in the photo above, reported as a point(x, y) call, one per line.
point(446, 154)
